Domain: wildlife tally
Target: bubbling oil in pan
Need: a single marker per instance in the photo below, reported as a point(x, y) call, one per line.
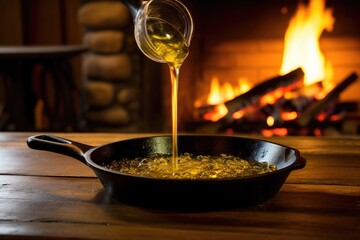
point(191, 167)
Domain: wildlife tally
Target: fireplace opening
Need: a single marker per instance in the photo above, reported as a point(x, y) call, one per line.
point(236, 81)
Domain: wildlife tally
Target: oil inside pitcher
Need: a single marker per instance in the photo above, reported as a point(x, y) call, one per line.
point(157, 19)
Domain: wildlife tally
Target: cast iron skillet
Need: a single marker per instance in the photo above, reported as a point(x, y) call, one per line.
point(180, 194)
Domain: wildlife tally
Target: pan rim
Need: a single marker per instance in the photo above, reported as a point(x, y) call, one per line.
point(289, 168)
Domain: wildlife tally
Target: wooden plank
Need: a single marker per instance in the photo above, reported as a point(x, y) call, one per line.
point(25, 162)
point(340, 146)
point(50, 230)
point(49, 188)
point(41, 24)
point(53, 209)
point(320, 201)
point(93, 139)
point(324, 166)
point(16, 158)
point(10, 23)
point(88, 191)
point(328, 170)
point(319, 169)
point(322, 146)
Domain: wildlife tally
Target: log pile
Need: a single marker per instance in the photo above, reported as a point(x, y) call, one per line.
point(306, 106)
point(293, 79)
point(312, 111)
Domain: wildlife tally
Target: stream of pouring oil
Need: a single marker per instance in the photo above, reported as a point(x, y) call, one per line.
point(171, 46)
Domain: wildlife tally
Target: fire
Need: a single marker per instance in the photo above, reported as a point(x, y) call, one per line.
point(219, 111)
point(302, 48)
point(272, 97)
point(215, 95)
point(219, 94)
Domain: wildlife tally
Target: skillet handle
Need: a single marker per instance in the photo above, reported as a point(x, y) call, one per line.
point(59, 145)
point(299, 163)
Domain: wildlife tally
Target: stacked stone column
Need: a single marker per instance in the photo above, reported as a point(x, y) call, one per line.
point(111, 68)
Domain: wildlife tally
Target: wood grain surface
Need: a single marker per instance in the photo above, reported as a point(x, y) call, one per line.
point(45, 195)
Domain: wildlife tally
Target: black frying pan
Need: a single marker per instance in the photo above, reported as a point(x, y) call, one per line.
point(182, 193)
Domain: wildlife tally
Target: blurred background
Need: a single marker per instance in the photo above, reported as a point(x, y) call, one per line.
point(73, 65)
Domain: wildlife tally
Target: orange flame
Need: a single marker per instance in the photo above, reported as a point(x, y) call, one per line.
point(272, 97)
point(222, 93)
point(218, 112)
point(302, 48)
point(215, 96)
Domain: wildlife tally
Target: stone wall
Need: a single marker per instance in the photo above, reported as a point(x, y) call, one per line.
point(111, 68)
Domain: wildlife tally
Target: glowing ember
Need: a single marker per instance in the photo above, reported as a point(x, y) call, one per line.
point(336, 117)
point(302, 47)
point(272, 97)
point(270, 121)
point(321, 117)
point(317, 132)
point(239, 114)
point(287, 116)
point(274, 132)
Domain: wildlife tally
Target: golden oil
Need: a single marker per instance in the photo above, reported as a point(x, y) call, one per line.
point(170, 45)
point(192, 167)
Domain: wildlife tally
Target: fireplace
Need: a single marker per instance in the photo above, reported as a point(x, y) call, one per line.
point(237, 45)
point(241, 44)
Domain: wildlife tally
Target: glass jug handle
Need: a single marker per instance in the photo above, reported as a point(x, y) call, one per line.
point(133, 6)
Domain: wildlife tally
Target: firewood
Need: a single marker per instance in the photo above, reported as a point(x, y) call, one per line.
point(313, 110)
point(294, 78)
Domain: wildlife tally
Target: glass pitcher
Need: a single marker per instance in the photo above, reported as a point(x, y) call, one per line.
point(172, 12)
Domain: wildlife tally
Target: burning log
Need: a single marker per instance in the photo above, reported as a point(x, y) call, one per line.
point(312, 89)
point(244, 101)
point(293, 78)
point(318, 106)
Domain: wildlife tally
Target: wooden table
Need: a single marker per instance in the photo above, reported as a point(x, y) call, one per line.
point(44, 195)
